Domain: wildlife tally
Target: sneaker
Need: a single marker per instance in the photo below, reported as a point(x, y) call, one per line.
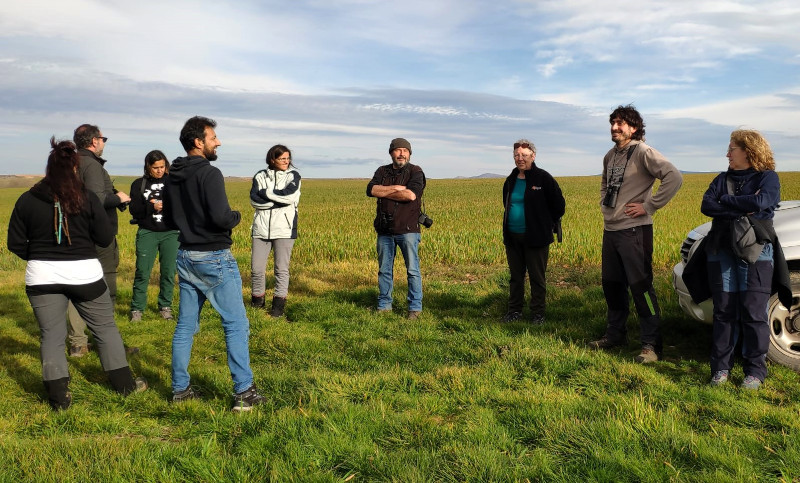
point(136, 316)
point(511, 317)
point(245, 400)
point(141, 384)
point(751, 382)
point(604, 343)
point(647, 355)
point(166, 313)
point(185, 395)
point(414, 314)
point(537, 319)
point(78, 350)
point(719, 378)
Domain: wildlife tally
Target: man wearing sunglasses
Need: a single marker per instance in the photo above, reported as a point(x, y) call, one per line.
point(90, 143)
point(627, 201)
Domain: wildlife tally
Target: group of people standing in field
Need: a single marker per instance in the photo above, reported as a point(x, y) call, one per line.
point(66, 226)
point(739, 288)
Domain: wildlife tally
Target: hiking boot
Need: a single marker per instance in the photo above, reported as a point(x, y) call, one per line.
point(141, 384)
point(647, 355)
point(537, 319)
point(166, 313)
point(136, 316)
point(751, 382)
point(257, 302)
point(245, 400)
point(278, 306)
point(185, 395)
point(719, 378)
point(605, 343)
point(414, 314)
point(511, 317)
point(78, 350)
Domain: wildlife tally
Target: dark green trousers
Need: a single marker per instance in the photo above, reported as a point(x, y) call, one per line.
point(150, 244)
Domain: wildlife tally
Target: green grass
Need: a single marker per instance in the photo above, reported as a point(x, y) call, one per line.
point(455, 396)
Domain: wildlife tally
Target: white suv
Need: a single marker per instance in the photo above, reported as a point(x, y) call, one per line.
point(784, 340)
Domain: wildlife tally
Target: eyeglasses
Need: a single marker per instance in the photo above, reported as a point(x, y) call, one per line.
point(730, 150)
point(520, 155)
point(101, 137)
point(523, 145)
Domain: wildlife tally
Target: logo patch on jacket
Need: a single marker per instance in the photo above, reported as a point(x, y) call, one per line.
point(535, 188)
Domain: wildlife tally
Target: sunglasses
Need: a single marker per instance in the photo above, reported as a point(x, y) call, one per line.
point(523, 145)
point(102, 137)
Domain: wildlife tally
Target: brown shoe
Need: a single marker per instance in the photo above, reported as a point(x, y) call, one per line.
point(647, 355)
point(78, 350)
point(604, 343)
point(414, 314)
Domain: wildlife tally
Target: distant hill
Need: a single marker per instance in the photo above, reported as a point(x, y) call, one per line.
point(484, 175)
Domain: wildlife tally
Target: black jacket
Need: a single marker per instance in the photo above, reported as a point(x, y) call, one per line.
point(404, 214)
point(195, 203)
point(544, 205)
point(31, 235)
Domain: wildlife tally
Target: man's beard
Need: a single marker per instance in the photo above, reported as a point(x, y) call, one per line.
point(210, 155)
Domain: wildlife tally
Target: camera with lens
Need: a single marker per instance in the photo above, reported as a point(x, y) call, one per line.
point(610, 199)
point(123, 206)
point(425, 220)
point(385, 222)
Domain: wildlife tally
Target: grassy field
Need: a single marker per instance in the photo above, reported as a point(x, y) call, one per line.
point(454, 396)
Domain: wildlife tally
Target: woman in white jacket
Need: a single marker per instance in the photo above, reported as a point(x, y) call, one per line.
point(274, 195)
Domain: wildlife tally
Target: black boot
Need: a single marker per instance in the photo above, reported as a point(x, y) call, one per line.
point(122, 380)
point(257, 302)
point(58, 394)
point(278, 305)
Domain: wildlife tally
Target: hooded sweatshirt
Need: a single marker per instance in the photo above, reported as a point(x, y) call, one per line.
point(639, 173)
point(63, 261)
point(195, 203)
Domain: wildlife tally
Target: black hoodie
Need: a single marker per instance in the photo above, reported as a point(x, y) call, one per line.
point(31, 235)
point(195, 203)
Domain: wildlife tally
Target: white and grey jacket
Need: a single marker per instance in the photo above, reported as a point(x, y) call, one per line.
point(275, 195)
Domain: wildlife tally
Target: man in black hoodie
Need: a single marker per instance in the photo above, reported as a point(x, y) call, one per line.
point(197, 205)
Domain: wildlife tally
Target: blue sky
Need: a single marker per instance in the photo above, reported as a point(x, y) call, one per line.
point(336, 81)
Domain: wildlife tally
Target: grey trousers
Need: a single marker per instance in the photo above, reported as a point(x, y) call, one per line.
point(109, 260)
point(258, 265)
point(50, 310)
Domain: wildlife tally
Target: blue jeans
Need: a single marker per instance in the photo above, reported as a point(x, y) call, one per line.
point(213, 276)
point(387, 248)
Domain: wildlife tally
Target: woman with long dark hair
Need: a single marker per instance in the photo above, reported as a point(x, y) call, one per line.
point(274, 195)
point(55, 226)
point(153, 237)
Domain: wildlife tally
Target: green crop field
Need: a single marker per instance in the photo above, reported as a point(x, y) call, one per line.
point(354, 395)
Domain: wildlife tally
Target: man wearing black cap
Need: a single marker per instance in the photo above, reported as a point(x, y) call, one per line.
point(398, 188)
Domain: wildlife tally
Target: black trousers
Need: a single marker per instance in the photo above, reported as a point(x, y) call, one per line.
point(522, 258)
point(628, 265)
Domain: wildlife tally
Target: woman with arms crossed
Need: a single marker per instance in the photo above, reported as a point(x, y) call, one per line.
point(274, 195)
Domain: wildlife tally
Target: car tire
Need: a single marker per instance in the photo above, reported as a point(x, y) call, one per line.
point(784, 329)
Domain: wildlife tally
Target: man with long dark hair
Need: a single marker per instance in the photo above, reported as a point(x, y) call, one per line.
point(196, 204)
point(627, 201)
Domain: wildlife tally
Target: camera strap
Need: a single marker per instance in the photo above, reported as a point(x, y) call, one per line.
point(627, 160)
